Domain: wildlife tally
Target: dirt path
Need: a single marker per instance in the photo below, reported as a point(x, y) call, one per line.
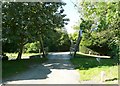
point(58, 70)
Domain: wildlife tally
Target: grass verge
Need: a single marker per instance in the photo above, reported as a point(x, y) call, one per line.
point(90, 69)
point(12, 67)
point(14, 55)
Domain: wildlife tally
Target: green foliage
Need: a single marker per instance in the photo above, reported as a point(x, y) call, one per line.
point(8, 47)
point(86, 25)
point(100, 42)
point(74, 37)
point(27, 22)
point(32, 47)
point(57, 41)
point(84, 49)
point(100, 25)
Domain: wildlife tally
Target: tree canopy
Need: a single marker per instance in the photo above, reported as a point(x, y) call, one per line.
point(25, 22)
point(100, 24)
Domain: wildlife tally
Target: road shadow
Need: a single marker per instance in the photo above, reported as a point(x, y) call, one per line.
point(35, 72)
point(59, 64)
point(59, 61)
point(41, 71)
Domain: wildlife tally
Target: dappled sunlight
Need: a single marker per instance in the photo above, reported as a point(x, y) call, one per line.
point(59, 64)
point(96, 56)
point(59, 55)
point(69, 42)
point(54, 71)
point(85, 62)
point(92, 71)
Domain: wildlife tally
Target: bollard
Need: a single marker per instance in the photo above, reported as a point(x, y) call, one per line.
point(102, 74)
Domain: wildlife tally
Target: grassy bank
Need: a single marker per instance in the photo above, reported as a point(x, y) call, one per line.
point(12, 67)
point(90, 69)
point(14, 55)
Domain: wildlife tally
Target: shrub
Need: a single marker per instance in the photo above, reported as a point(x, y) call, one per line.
point(32, 47)
point(4, 57)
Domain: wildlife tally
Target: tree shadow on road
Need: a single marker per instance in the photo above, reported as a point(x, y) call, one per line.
point(59, 64)
point(35, 72)
point(41, 71)
point(24, 69)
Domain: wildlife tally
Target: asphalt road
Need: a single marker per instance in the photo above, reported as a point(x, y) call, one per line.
point(57, 70)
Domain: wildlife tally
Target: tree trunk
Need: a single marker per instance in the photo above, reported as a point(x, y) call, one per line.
point(20, 52)
point(42, 46)
point(77, 43)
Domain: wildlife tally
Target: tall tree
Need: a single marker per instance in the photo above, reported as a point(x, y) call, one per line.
point(27, 22)
point(103, 34)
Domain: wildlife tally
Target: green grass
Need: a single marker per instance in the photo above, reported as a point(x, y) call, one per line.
point(90, 69)
point(12, 67)
point(14, 55)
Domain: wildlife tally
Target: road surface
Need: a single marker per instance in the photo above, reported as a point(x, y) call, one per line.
point(57, 70)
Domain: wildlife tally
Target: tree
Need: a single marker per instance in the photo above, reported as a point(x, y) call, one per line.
point(58, 41)
point(28, 22)
point(53, 19)
point(101, 26)
point(55, 41)
point(17, 24)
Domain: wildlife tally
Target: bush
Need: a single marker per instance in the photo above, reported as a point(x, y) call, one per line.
point(4, 57)
point(32, 47)
point(101, 42)
point(8, 47)
point(115, 49)
point(86, 50)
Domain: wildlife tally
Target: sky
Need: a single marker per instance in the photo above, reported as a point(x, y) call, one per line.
point(72, 14)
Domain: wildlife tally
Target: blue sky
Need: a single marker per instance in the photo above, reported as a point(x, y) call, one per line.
point(72, 14)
